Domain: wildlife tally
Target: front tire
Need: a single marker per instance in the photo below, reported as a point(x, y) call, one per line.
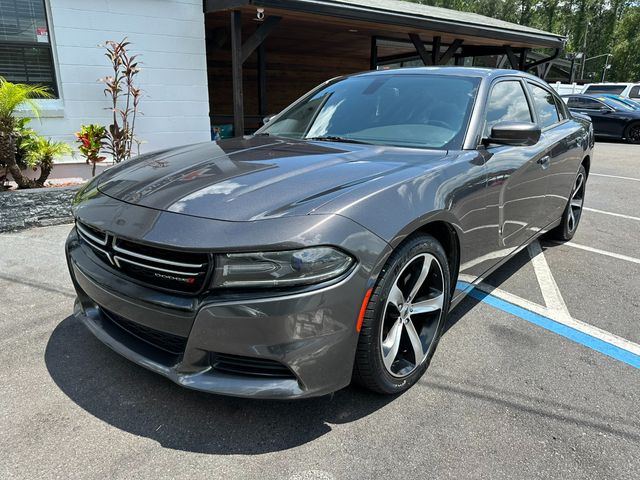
point(405, 317)
point(573, 211)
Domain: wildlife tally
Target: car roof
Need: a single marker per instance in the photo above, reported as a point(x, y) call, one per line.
point(583, 95)
point(488, 73)
point(611, 84)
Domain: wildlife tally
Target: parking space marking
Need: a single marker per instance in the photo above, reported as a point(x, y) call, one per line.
point(570, 322)
point(628, 217)
point(579, 332)
point(601, 252)
point(548, 286)
point(615, 176)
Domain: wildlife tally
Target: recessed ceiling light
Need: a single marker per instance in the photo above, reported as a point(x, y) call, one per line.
point(353, 30)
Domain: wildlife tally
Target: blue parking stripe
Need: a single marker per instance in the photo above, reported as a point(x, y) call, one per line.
point(577, 336)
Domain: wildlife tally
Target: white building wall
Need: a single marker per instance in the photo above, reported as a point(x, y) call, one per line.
point(168, 36)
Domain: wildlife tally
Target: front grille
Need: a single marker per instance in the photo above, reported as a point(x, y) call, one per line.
point(163, 268)
point(168, 342)
point(238, 365)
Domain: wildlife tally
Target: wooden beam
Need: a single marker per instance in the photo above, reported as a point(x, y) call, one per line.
point(258, 36)
point(217, 5)
point(422, 52)
point(236, 72)
point(512, 58)
point(446, 56)
point(435, 51)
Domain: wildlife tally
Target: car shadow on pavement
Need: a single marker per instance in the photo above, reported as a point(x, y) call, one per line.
point(146, 404)
point(496, 279)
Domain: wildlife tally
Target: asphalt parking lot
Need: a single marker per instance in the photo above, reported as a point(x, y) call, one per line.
point(508, 394)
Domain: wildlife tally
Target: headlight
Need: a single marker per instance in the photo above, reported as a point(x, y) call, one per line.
point(280, 269)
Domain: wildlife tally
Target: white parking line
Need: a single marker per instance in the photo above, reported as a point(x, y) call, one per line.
point(615, 176)
point(628, 217)
point(601, 252)
point(548, 286)
point(569, 321)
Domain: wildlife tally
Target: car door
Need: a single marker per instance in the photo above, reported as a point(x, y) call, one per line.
point(601, 116)
point(516, 184)
point(561, 136)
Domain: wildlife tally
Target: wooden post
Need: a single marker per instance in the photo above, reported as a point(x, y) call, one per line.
point(262, 80)
point(523, 59)
point(373, 58)
point(236, 73)
point(435, 51)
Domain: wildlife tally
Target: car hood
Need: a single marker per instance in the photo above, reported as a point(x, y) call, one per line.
point(256, 177)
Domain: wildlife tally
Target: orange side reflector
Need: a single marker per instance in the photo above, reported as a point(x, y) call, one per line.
point(363, 309)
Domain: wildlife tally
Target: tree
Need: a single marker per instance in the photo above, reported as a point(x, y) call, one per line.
point(12, 96)
point(626, 45)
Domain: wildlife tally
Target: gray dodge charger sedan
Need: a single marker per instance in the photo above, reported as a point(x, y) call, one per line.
point(332, 244)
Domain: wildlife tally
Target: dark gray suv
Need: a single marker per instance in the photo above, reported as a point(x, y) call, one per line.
point(331, 244)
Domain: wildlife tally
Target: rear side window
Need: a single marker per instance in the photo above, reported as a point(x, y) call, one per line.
point(545, 105)
point(634, 92)
point(507, 103)
point(585, 103)
point(562, 108)
point(617, 89)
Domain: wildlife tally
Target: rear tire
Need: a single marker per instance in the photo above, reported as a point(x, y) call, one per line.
point(632, 133)
point(573, 211)
point(405, 317)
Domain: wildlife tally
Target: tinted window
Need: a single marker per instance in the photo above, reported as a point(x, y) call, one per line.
point(584, 103)
point(616, 104)
point(634, 92)
point(428, 111)
point(507, 103)
point(545, 105)
point(617, 89)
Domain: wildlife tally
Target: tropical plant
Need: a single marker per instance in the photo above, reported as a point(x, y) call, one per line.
point(125, 98)
point(92, 139)
point(41, 153)
point(13, 96)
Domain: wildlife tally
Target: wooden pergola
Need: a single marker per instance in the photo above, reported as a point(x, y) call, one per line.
point(263, 54)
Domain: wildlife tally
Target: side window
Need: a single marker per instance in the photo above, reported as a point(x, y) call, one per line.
point(634, 92)
point(545, 105)
point(507, 102)
point(574, 102)
point(591, 104)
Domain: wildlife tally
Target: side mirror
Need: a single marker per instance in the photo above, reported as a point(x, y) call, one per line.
point(267, 119)
point(516, 134)
point(605, 110)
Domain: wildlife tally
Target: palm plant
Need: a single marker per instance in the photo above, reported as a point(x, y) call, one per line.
point(42, 152)
point(12, 96)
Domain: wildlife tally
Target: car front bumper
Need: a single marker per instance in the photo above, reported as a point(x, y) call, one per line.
point(308, 337)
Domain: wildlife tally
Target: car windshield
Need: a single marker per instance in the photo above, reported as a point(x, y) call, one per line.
point(617, 104)
point(407, 110)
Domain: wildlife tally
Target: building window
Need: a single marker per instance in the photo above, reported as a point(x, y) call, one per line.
point(25, 44)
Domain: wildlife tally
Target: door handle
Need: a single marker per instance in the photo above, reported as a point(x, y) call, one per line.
point(544, 161)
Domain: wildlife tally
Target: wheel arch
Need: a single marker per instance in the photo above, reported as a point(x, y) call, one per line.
point(446, 234)
point(586, 163)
